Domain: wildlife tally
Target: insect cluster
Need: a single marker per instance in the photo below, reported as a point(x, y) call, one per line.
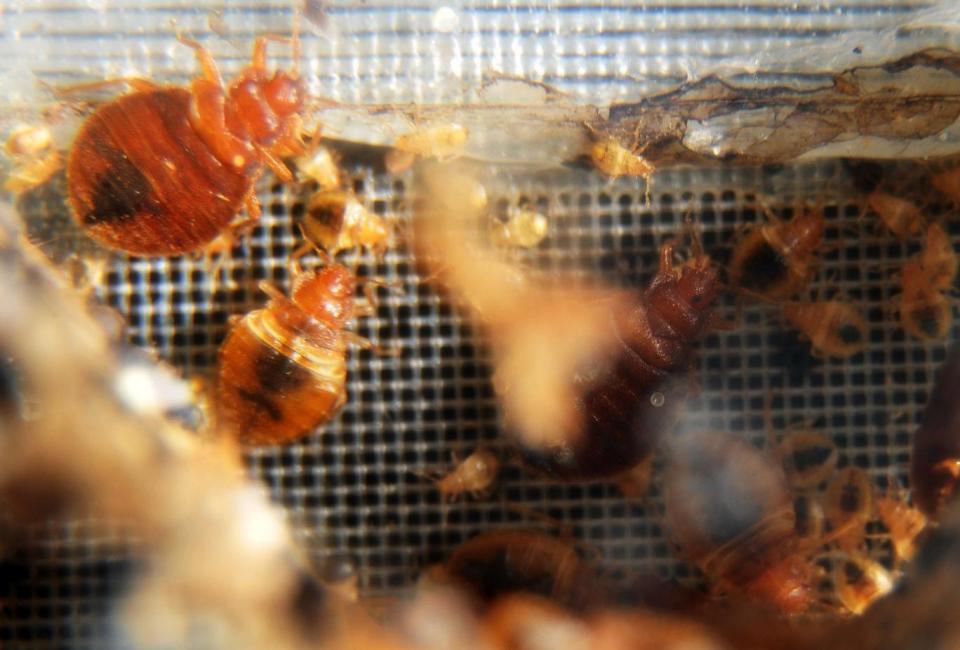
point(165, 170)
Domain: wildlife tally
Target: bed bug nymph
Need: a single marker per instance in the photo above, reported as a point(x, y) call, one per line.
point(474, 475)
point(283, 368)
point(164, 170)
point(776, 260)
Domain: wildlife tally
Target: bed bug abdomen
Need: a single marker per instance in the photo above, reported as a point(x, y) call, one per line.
point(283, 368)
point(141, 179)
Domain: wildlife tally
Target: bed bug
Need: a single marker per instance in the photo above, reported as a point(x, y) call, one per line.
point(474, 475)
point(925, 312)
point(947, 183)
point(283, 368)
point(164, 170)
point(808, 457)
point(440, 141)
point(626, 404)
point(614, 160)
point(776, 260)
point(500, 562)
point(335, 220)
point(520, 226)
point(902, 217)
point(848, 505)
point(835, 328)
point(322, 167)
point(859, 581)
point(904, 522)
point(730, 511)
point(935, 460)
point(938, 259)
point(29, 149)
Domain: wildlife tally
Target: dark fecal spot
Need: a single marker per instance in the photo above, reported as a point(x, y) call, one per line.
point(850, 498)
point(764, 269)
point(928, 319)
point(121, 193)
point(810, 457)
point(278, 373)
point(852, 572)
point(328, 212)
point(849, 334)
point(262, 403)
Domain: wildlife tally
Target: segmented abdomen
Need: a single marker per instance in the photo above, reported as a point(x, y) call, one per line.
point(635, 399)
point(277, 383)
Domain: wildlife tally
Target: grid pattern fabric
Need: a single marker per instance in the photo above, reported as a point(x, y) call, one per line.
point(357, 485)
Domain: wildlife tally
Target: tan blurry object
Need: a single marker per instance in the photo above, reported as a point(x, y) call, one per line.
point(542, 336)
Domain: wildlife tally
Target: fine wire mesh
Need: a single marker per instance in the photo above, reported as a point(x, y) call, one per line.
point(357, 486)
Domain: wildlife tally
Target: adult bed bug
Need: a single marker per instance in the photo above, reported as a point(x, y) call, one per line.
point(283, 368)
point(164, 170)
point(633, 397)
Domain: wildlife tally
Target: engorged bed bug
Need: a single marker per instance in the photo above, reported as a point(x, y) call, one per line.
point(835, 328)
point(633, 397)
point(164, 170)
point(730, 512)
point(283, 367)
point(808, 457)
point(776, 260)
point(500, 562)
point(848, 506)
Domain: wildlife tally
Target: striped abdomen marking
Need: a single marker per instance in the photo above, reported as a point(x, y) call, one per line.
point(277, 383)
point(141, 180)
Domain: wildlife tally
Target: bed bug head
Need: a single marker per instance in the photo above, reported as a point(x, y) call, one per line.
point(326, 294)
point(699, 282)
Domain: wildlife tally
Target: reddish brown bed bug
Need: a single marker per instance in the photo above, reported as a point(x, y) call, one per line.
point(335, 220)
point(474, 475)
point(809, 458)
point(904, 522)
point(925, 312)
point(938, 259)
point(501, 562)
point(859, 581)
point(848, 506)
point(626, 405)
point(902, 217)
point(835, 328)
point(283, 368)
point(729, 511)
point(935, 461)
point(164, 170)
point(947, 183)
point(776, 260)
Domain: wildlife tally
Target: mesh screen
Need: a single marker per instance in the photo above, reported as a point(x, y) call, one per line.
point(356, 486)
